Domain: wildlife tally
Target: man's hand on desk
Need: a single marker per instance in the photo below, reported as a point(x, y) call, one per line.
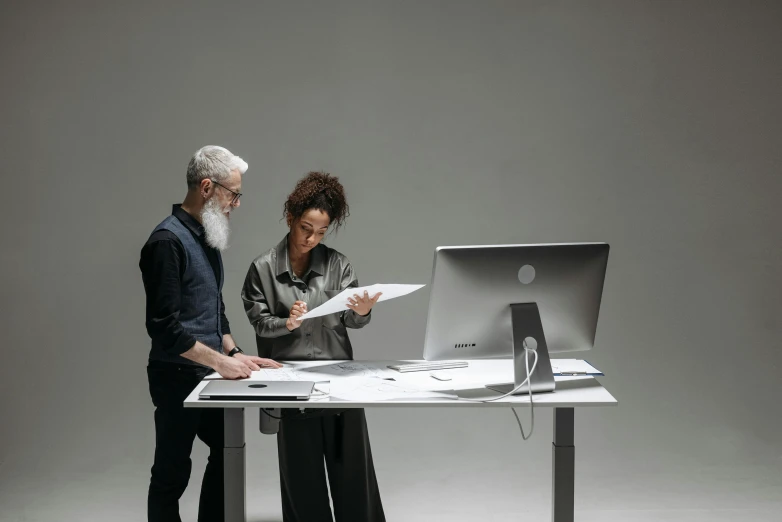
point(232, 368)
point(255, 363)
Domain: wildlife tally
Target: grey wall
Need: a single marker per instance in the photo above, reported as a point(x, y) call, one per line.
point(654, 126)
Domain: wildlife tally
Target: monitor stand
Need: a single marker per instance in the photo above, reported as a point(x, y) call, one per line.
point(525, 321)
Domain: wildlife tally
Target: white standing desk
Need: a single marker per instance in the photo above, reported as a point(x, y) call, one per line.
point(571, 392)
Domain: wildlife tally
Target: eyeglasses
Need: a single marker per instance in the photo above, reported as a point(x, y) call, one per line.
point(237, 195)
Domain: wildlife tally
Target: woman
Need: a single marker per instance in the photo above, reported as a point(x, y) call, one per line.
point(298, 274)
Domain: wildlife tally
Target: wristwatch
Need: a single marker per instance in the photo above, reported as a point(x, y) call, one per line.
point(234, 351)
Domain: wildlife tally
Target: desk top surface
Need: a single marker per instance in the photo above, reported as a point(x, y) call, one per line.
point(466, 382)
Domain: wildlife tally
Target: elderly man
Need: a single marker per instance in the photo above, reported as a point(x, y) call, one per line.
point(183, 278)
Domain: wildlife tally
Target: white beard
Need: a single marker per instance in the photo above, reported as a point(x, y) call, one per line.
point(217, 226)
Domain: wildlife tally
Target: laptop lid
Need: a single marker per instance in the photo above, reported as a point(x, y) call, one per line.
point(258, 390)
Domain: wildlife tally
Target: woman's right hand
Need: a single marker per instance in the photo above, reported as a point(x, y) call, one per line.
point(298, 309)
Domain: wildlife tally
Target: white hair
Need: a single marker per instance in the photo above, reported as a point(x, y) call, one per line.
point(213, 162)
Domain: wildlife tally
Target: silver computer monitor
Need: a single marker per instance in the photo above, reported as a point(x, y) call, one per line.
point(485, 300)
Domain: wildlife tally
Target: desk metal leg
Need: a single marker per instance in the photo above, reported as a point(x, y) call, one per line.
point(234, 466)
point(563, 466)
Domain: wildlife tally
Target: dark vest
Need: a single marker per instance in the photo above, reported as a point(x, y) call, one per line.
point(199, 311)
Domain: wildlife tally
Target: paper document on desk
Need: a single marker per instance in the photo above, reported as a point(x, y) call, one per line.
point(344, 369)
point(318, 373)
point(573, 367)
point(339, 303)
point(369, 389)
point(267, 374)
point(278, 374)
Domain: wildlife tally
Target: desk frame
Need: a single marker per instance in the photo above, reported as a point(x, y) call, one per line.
point(562, 452)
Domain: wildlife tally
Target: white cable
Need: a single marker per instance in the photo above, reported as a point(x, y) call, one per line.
point(318, 393)
point(531, 405)
point(517, 388)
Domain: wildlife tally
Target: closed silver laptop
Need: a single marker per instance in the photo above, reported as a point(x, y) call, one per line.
point(258, 390)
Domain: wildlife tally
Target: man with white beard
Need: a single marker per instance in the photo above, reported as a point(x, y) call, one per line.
point(183, 274)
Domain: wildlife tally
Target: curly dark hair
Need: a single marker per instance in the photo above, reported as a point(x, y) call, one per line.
point(321, 191)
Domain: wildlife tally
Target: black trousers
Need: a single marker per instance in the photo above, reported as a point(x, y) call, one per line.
point(176, 427)
point(343, 440)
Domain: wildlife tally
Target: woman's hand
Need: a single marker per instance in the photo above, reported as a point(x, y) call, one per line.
point(362, 305)
point(298, 309)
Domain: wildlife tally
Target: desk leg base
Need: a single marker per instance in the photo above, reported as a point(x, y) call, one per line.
point(234, 471)
point(563, 458)
point(235, 506)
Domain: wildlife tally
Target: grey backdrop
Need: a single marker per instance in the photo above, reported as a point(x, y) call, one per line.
point(654, 126)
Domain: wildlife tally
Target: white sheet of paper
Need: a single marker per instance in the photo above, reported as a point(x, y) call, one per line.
point(277, 374)
point(321, 373)
point(268, 374)
point(344, 369)
point(339, 302)
point(369, 389)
